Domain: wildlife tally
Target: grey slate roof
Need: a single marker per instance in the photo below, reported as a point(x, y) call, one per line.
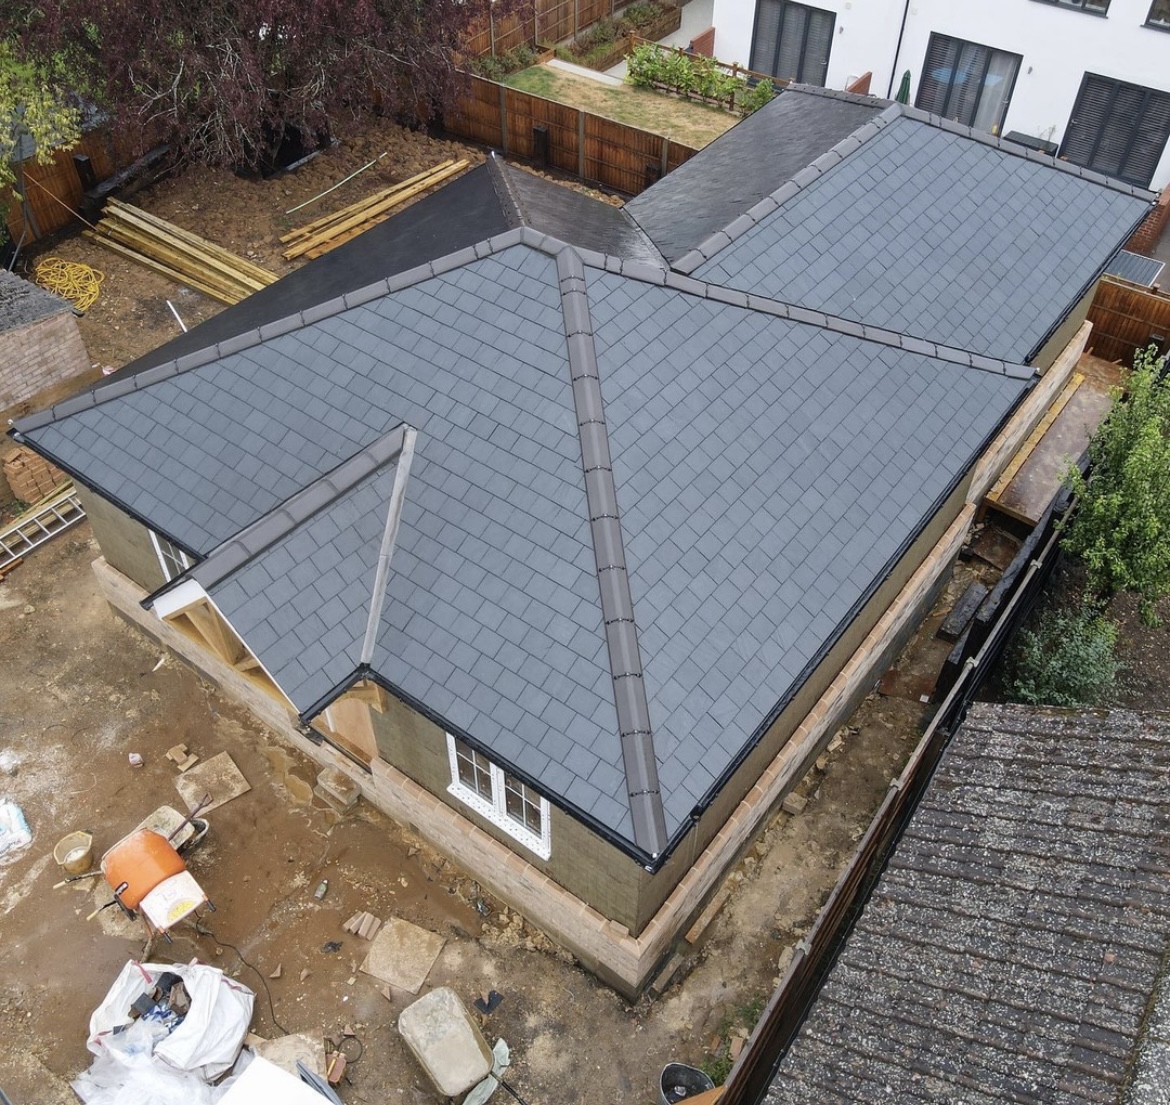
point(485, 201)
point(641, 506)
point(727, 177)
point(22, 302)
point(980, 245)
point(1011, 946)
point(767, 469)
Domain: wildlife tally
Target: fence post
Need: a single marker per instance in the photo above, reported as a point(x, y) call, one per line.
point(580, 143)
point(492, 31)
point(665, 154)
point(536, 23)
point(576, 18)
point(503, 119)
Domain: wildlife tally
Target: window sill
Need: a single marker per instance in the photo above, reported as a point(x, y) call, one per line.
point(1163, 27)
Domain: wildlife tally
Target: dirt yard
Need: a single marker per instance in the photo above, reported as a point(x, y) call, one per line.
point(82, 690)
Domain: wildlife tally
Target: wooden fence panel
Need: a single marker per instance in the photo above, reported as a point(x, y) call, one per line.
point(615, 155)
point(1127, 318)
point(53, 190)
point(539, 23)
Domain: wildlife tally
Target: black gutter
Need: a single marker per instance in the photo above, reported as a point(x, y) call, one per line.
point(1086, 286)
point(18, 436)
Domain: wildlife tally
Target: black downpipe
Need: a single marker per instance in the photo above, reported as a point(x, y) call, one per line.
point(898, 50)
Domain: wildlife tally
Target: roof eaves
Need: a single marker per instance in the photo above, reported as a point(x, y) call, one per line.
point(1014, 149)
point(617, 603)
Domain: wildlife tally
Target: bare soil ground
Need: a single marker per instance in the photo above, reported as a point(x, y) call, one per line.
point(82, 691)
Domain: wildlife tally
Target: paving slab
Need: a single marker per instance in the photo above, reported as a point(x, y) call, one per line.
point(446, 1041)
point(218, 777)
point(403, 954)
point(284, 1051)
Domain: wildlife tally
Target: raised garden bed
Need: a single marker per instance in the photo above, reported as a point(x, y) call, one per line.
point(693, 77)
point(607, 42)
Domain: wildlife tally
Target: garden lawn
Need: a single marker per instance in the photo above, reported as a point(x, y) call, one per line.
point(691, 124)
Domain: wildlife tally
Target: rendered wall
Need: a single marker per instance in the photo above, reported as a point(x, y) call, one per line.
point(1058, 46)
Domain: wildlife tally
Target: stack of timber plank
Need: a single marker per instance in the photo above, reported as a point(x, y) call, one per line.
point(320, 236)
point(178, 254)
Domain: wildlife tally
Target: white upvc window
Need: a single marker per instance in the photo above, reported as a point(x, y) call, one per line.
point(504, 800)
point(173, 561)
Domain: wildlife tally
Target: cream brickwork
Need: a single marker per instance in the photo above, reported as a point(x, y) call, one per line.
point(37, 356)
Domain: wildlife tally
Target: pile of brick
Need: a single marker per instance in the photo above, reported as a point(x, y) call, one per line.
point(30, 476)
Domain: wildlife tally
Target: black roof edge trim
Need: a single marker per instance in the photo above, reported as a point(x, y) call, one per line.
point(606, 832)
point(750, 745)
point(1084, 289)
point(358, 675)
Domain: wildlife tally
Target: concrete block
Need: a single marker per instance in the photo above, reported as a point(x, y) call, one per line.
point(338, 789)
point(793, 804)
point(448, 1044)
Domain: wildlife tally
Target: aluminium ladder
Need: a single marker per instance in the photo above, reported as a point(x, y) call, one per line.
point(49, 517)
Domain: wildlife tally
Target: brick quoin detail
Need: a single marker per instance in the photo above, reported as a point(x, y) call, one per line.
point(860, 85)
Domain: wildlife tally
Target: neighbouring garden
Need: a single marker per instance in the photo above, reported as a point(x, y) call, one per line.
point(1098, 638)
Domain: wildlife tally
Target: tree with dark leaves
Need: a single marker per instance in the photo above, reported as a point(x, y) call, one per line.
point(227, 81)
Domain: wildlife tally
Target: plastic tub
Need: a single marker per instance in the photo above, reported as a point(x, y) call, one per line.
point(679, 1082)
point(74, 853)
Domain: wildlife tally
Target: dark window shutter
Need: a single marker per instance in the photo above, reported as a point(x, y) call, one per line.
point(941, 56)
point(819, 42)
point(1118, 129)
point(764, 42)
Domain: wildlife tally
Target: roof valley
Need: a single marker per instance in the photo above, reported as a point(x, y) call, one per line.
point(617, 604)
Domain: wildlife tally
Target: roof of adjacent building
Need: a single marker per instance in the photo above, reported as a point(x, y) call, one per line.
point(1135, 268)
point(642, 506)
point(728, 177)
point(1010, 950)
point(22, 303)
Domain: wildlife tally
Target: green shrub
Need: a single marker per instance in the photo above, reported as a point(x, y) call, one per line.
point(1069, 659)
point(1121, 527)
point(755, 98)
point(504, 65)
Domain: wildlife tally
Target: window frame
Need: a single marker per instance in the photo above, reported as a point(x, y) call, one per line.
point(800, 78)
point(169, 553)
point(1158, 24)
point(1079, 6)
point(495, 808)
point(999, 126)
point(1117, 85)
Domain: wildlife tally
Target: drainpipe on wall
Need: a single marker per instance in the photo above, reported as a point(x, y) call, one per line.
point(898, 49)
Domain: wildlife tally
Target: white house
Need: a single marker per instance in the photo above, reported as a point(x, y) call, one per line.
point(1087, 79)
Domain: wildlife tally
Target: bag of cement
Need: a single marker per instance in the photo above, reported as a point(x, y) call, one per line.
point(14, 830)
point(205, 1042)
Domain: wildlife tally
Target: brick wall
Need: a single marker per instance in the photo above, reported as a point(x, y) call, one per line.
point(29, 476)
point(704, 43)
point(1150, 231)
point(38, 356)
